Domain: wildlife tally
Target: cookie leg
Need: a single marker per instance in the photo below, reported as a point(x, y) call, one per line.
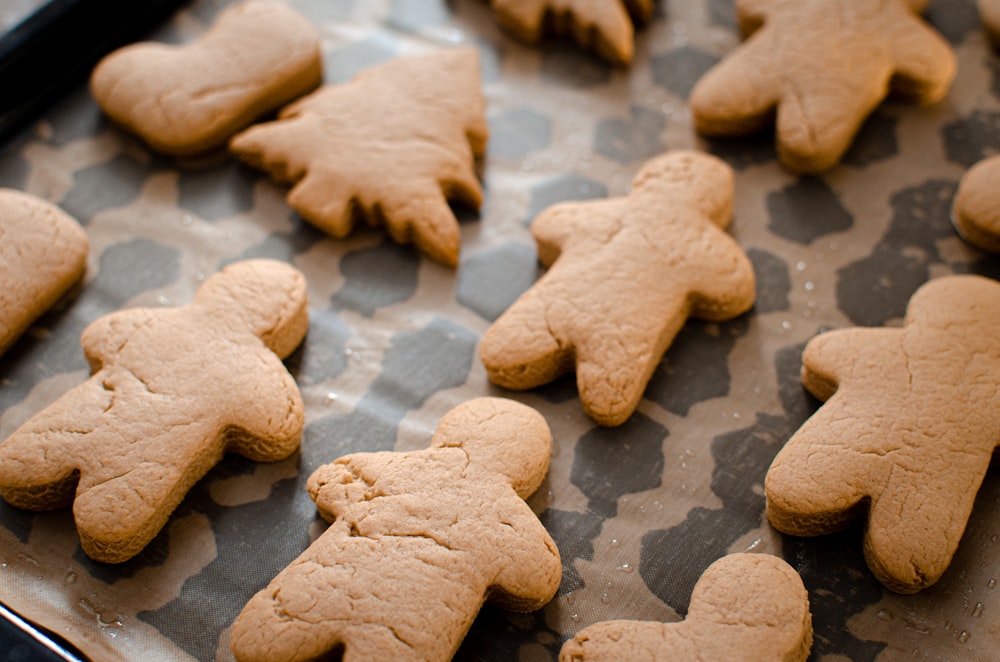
point(116, 519)
point(520, 350)
point(916, 524)
point(738, 96)
point(817, 484)
point(39, 468)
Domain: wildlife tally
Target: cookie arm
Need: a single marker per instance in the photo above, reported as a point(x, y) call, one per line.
point(738, 96)
point(520, 350)
point(532, 569)
point(925, 64)
point(38, 465)
point(726, 281)
point(104, 338)
point(269, 426)
point(567, 224)
point(841, 354)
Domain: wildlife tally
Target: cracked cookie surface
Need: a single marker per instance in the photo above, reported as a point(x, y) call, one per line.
point(172, 390)
point(418, 542)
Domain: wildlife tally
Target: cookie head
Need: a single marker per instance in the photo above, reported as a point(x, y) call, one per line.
point(267, 296)
point(501, 436)
point(976, 209)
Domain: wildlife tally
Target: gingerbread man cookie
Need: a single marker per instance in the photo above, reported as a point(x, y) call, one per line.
point(745, 607)
point(184, 100)
point(976, 209)
point(43, 252)
point(818, 68)
point(392, 146)
point(625, 274)
point(418, 542)
point(907, 432)
point(605, 26)
point(172, 390)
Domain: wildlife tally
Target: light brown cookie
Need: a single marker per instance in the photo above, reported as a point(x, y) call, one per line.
point(604, 26)
point(392, 146)
point(43, 252)
point(188, 99)
point(624, 276)
point(418, 542)
point(745, 607)
point(907, 432)
point(818, 68)
point(976, 210)
point(172, 390)
point(989, 10)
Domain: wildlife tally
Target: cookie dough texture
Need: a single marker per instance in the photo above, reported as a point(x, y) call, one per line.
point(172, 390)
point(906, 433)
point(976, 209)
point(744, 608)
point(817, 69)
point(43, 252)
point(624, 275)
point(393, 147)
point(418, 541)
point(604, 26)
point(189, 99)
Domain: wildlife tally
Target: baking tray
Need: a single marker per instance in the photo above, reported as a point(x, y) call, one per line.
point(638, 511)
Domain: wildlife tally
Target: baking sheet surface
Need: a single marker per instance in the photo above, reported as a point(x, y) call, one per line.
point(638, 511)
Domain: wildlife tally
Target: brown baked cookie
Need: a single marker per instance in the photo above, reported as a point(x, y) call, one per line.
point(172, 390)
point(418, 542)
point(393, 146)
point(976, 210)
point(604, 26)
point(189, 99)
point(989, 10)
point(43, 252)
point(625, 274)
point(818, 68)
point(906, 435)
point(745, 607)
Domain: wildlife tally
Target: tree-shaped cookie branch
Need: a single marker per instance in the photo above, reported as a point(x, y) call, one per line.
point(819, 68)
point(745, 607)
point(392, 146)
point(418, 542)
point(625, 275)
point(172, 390)
point(604, 26)
point(907, 432)
point(976, 208)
